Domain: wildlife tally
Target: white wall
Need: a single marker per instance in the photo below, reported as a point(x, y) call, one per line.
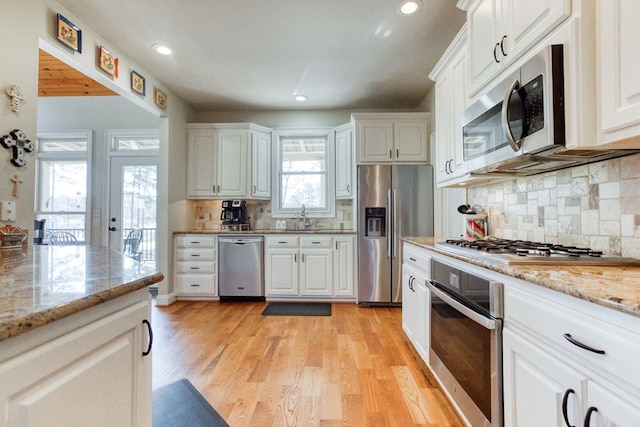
point(29, 25)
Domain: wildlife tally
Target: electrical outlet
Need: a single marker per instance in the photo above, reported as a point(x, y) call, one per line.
point(8, 211)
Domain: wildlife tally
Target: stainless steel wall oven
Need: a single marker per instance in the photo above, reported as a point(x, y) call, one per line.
point(466, 341)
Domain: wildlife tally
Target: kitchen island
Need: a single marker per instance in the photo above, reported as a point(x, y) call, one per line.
point(75, 337)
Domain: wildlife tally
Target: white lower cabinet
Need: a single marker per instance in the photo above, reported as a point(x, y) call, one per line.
point(548, 381)
point(195, 266)
point(95, 375)
point(609, 409)
point(416, 298)
point(343, 267)
point(539, 386)
point(303, 266)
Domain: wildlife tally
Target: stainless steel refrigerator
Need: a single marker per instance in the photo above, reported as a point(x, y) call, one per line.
point(394, 201)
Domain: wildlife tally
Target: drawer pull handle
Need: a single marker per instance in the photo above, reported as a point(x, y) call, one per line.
point(413, 259)
point(195, 254)
point(573, 341)
point(195, 268)
point(587, 418)
point(194, 286)
point(565, 401)
point(282, 243)
point(315, 243)
point(195, 243)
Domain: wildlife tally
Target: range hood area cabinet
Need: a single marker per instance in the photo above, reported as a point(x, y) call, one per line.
point(228, 160)
point(500, 32)
point(602, 108)
point(391, 138)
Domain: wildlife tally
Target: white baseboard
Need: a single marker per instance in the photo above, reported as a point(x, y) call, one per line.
point(164, 300)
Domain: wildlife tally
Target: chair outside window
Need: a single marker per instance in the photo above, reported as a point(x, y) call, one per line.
point(62, 238)
point(131, 245)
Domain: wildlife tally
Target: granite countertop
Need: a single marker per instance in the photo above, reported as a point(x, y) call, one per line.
point(268, 231)
point(46, 283)
point(613, 287)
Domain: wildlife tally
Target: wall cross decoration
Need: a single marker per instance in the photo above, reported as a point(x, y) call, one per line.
point(19, 142)
point(16, 185)
point(16, 96)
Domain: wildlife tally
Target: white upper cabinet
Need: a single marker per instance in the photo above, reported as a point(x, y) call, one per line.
point(451, 99)
point(619, 66)
point(228, 160)
point(344, 162)
point(232, 163)
point(500, 31)
point(260, 164)
point(391, 137)
point(201, 162)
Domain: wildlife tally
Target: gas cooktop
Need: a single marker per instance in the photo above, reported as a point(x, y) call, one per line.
point(521, 252)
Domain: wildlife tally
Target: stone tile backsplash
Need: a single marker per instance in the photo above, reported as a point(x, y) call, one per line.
point(596, 205)
point(259, 213)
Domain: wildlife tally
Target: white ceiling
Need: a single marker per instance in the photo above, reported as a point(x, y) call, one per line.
point(256, 54)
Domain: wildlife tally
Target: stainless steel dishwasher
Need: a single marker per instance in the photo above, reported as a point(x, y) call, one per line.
point(241, 267)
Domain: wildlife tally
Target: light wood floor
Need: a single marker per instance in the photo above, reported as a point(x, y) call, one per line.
point(353, 368)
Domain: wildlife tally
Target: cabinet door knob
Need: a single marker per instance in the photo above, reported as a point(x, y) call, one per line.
point(565, 401)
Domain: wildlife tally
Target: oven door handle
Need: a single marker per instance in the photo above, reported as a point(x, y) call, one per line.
point(486, 322)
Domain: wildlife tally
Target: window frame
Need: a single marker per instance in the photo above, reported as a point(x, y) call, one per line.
point(86, 155)
point(277, 211)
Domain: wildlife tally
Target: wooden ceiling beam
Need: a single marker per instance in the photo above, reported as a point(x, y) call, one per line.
point(55, 78)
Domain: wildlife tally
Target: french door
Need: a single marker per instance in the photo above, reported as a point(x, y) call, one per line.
point(132, 207)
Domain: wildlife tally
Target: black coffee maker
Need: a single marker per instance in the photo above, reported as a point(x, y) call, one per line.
point(234, 212)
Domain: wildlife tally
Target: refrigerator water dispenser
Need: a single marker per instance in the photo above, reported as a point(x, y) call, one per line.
point(376, 219)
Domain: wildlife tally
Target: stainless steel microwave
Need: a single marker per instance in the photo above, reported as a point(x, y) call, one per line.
point(512, 127)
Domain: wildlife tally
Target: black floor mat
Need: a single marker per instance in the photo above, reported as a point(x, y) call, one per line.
point(297, 309)
point(179, 404)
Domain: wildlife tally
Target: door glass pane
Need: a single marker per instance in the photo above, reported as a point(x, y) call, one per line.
point(139, 199)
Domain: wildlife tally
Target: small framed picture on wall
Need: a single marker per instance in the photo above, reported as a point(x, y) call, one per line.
point(161, 99)
point(108, 62)
point(68, 34)
point(138, 83)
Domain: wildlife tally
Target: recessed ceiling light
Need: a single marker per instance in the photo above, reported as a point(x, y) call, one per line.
point(409, 7)
point(162, 49)
point(300, 98)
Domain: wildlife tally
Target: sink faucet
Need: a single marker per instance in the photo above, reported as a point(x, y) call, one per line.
point(303, 215)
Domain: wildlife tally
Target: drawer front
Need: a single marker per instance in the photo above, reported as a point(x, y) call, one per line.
point(195, 241)
point(196, 283)
point(316, 241)
point(550, 320)
point(195, 254)
point(417, 258)
point(196, 267)
point(281, 241)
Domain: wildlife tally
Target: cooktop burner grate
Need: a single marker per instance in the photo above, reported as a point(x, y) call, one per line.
point(507, 251)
